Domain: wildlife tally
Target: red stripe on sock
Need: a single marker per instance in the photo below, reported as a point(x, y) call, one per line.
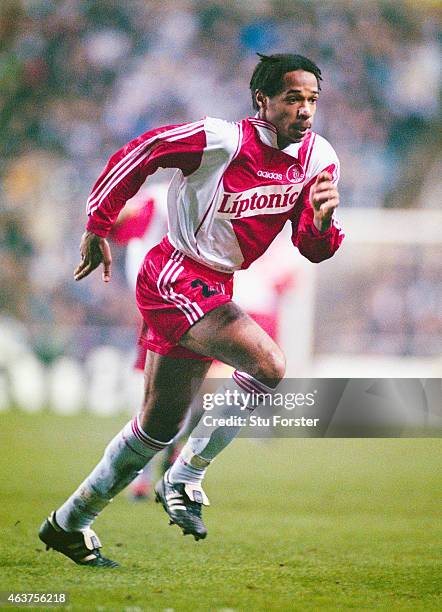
point(243, 384)
point(255, 384)
point(145, 439)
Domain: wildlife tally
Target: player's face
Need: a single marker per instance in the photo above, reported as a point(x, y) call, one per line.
point(292, 110)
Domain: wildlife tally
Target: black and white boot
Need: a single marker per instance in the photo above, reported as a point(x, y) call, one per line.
point(83, 547)
point(183, 503)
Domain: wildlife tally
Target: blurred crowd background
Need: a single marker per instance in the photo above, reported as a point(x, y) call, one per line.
point(79, 78)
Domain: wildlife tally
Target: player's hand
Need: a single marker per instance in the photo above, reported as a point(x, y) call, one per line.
point(94, 250)
point(324, 198)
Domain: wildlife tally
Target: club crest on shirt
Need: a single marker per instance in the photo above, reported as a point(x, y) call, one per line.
point(295, 173)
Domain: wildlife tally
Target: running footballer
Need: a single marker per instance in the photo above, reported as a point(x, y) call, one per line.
point(235, 187)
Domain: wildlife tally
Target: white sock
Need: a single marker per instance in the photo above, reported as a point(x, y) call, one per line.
point(241, 396)
point(123, 459)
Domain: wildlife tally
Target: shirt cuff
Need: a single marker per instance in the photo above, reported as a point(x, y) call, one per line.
point(317, 234)
point(97, 228)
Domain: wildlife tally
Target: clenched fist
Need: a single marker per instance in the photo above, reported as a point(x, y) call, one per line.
point(324, 198)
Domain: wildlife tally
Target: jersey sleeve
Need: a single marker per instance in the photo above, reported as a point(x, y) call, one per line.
point(176, 146)
point(316, 246)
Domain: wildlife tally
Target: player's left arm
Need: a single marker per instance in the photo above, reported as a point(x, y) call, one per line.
point(315, 230)
point(324, 199)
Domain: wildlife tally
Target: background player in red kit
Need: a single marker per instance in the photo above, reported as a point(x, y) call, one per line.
point(235, 187)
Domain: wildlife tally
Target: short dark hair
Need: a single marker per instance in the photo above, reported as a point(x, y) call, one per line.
point(269, 72)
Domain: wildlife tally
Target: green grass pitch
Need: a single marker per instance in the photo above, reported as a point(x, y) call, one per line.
point(319, 524)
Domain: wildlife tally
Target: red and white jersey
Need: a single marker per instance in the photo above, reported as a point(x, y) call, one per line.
point(233, 191)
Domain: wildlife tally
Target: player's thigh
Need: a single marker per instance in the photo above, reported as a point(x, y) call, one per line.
point(230, 335)
point(170, 384)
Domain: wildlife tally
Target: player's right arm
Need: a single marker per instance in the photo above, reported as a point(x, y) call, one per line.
point(94, 250)
point(179, 146)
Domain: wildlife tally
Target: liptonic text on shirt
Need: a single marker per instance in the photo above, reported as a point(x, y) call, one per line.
point(263, 200)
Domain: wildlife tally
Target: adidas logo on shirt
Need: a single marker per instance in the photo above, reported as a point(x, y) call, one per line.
point(269, 175)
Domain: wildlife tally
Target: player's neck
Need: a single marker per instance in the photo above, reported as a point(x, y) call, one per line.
point(283, 142)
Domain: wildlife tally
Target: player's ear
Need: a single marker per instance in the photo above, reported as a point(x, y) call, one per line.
point(261, 99)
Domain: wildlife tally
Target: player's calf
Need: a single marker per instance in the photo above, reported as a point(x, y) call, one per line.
point(269, 367)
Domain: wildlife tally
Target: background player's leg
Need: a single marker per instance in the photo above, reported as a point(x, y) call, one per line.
point(230, 335)
point(169, 387)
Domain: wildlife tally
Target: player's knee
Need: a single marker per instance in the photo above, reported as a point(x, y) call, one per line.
point(272, 367)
